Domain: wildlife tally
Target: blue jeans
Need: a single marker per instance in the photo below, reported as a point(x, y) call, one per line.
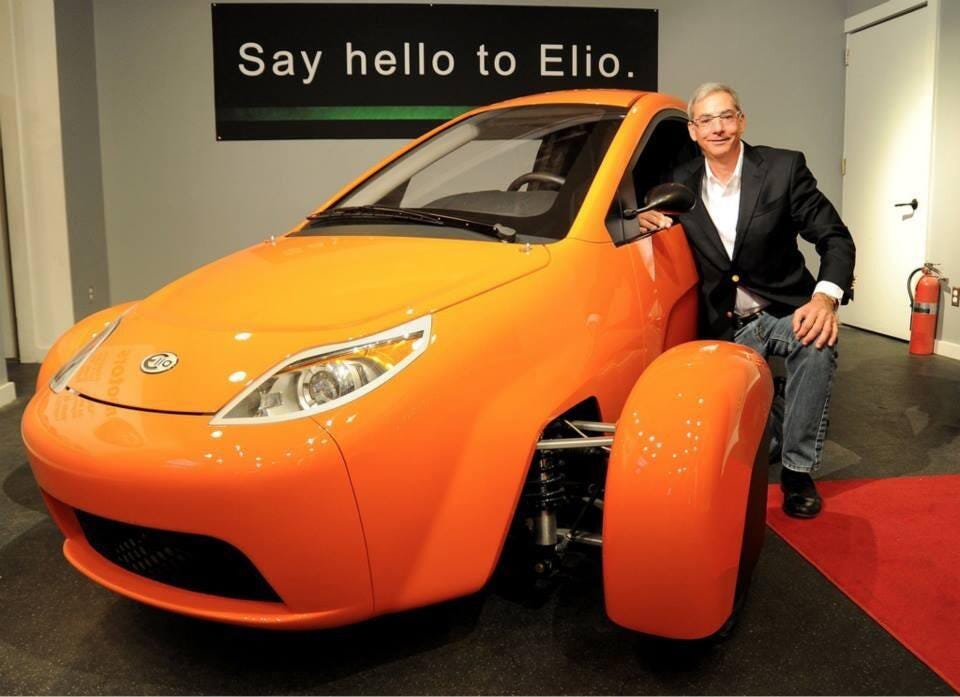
point(798, 421)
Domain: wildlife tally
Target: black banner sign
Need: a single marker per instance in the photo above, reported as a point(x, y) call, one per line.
point(387, 70)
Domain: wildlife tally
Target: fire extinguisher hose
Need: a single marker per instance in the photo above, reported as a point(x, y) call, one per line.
point(910, 284)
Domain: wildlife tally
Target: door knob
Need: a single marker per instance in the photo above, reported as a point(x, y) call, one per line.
point(913, 204)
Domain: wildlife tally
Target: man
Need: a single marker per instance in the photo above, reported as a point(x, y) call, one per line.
point(754, 286)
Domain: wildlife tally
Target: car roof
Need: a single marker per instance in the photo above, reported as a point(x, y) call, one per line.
point(621, 98)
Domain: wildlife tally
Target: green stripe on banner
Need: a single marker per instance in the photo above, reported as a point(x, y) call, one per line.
point(342, 113)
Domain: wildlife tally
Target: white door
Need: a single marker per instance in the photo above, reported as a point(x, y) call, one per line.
point(887, 131)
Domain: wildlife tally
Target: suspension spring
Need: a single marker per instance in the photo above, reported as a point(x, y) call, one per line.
point(545, 490)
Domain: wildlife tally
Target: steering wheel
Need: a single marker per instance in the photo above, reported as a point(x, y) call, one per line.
point(541, 177)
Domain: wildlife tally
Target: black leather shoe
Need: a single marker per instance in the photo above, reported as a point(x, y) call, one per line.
point(800, 497)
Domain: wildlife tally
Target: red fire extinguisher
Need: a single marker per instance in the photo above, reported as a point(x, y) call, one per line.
point(924, 305)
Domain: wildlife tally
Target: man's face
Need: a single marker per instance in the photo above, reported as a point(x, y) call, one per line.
point(719, 136)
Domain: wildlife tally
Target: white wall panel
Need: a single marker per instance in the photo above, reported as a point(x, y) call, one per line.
point(33, 165)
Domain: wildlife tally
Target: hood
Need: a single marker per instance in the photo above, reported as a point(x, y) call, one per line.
point(233, 320)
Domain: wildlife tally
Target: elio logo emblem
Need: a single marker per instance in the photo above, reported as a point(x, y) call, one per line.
point(159, 363)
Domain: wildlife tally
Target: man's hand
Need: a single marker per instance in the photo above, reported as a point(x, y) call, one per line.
point(651, 221)
point(817, 321)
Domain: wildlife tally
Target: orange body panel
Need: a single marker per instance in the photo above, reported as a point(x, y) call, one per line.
point(677, 489)
point(279, 495)
point(408, 277)
point(403, 496)
point(457, 428)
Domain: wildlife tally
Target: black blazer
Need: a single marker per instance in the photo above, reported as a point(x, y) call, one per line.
point(779, 200)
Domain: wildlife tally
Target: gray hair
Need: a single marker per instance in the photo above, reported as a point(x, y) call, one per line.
point(708, 88)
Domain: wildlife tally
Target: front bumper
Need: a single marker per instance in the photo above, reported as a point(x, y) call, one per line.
point(279, 493)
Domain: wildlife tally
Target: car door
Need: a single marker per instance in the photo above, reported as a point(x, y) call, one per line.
point(663, 268)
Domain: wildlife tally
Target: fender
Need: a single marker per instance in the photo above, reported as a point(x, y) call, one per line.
point(679, 508)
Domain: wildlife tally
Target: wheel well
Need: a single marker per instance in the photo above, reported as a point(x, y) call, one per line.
point(587, 410)
point(560, 489)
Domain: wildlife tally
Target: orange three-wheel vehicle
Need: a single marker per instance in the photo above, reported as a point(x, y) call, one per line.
point(471, 343)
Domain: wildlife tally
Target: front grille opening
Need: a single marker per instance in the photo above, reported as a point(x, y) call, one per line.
point(191, 562)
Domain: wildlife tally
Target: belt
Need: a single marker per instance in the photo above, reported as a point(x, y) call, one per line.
point(741, 322)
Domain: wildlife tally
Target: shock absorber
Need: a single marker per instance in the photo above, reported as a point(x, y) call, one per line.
point(544, 493)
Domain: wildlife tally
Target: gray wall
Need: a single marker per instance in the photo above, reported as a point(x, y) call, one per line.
point(855, 7)
point(943, 243)
point(83, 183)
point(175, 198)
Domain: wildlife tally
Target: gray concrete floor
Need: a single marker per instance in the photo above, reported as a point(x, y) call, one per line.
point(892, 416)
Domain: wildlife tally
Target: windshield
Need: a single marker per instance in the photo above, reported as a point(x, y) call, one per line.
point(528, 168)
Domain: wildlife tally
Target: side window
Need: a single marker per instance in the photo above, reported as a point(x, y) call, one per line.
point(662, 149)
point(668, 146)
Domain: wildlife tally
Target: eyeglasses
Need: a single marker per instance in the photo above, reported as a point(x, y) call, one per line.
point(726, 118)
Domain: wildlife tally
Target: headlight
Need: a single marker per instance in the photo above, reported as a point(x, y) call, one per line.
point(62, 376)
point(326, 377)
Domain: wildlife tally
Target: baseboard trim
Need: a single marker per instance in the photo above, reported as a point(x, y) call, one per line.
point(8, 394)
point(947, 348)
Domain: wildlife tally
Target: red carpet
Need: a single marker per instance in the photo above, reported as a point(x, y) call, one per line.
point(893, 546)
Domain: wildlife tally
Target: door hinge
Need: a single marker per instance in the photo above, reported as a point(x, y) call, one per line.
point(843, 167)
point(846, 57)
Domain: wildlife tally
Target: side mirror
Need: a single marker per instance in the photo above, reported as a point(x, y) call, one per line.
point(669, 199)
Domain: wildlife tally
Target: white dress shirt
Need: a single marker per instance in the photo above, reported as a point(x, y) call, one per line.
point(722, 202)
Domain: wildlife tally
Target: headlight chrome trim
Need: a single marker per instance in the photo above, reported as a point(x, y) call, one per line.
point(59, 382)
point(421, 326)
